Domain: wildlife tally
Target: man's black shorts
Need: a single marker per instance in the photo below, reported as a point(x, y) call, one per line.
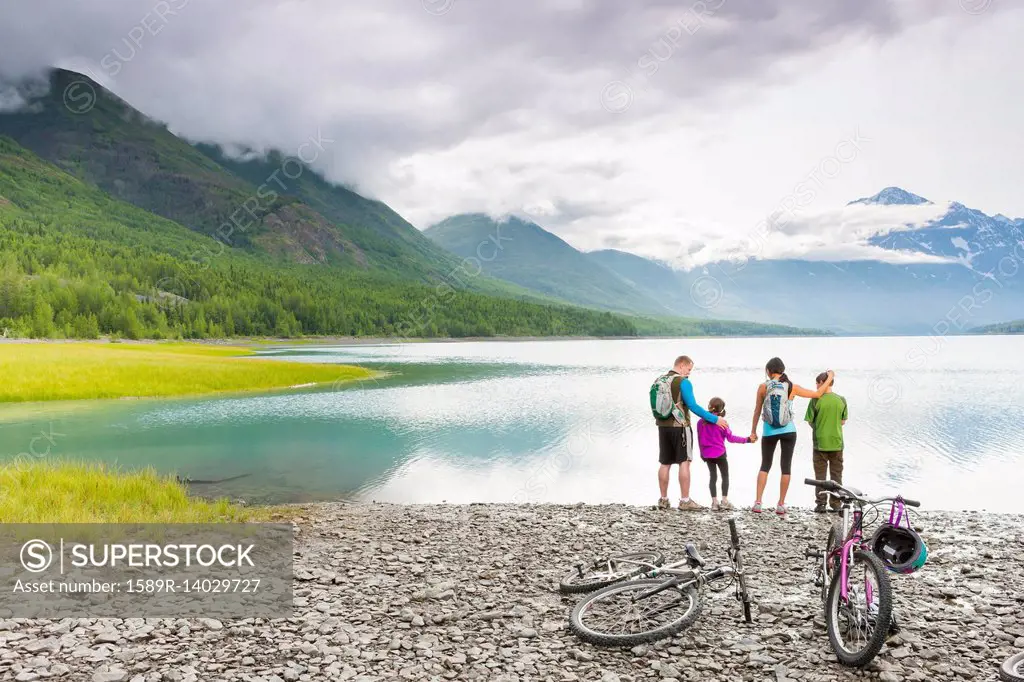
point(675, 444)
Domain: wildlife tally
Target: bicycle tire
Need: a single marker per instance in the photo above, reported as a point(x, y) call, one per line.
point(574, 584)
point(884, 614)
point(1012, 669)
point(593, 636)
point(834, 540)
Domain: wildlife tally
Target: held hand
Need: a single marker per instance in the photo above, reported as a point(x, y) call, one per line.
point(752, 438)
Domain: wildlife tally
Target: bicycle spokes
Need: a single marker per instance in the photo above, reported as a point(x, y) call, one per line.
point(858, 615)
point(621, 612)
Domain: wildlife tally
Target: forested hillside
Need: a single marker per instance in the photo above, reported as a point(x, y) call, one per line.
point(76, 262)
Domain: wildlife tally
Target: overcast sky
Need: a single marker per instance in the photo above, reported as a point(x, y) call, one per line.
point(664, 128)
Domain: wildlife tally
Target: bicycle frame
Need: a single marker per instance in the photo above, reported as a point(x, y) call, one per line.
point(652, 570)
point(854, 539)
point(694, 574)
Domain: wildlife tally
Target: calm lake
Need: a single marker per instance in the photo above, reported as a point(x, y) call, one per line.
point(937, 419)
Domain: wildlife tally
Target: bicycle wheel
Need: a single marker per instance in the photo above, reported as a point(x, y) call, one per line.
point(857, 626)
point(834, 541)
point(617, 616)
point(609, 571)
point(1012, 669)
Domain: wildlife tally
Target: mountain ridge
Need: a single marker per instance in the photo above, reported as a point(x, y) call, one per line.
point(878, 296)
point(130, 156)
point(524, 253)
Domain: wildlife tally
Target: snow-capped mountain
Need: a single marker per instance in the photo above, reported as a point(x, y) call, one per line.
point(975, 275)
point(981, 282)
point(890, 196)
point(979, 241)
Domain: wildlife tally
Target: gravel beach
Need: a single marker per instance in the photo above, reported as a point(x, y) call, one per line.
point(436, 592)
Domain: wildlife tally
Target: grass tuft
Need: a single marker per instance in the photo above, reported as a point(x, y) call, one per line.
point(81, 492)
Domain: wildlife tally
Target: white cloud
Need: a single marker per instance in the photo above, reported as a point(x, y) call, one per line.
point(498, 107)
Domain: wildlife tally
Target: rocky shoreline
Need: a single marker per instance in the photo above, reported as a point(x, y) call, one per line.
point(449, 592)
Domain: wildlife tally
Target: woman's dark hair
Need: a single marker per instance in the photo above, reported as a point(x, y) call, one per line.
point(777, 366)
point(716, 406)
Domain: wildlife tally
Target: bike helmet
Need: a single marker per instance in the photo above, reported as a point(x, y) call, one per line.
point(901, 549)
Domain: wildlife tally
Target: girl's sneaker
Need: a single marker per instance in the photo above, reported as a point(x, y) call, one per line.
point(715, 506)
point(756, 508)
point(781, 510)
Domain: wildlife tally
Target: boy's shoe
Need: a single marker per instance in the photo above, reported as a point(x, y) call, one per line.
point(663, 503)
point(819, 508)
point(756, 508)
point(689, 506)
point(726, 505)
point(715, 506)
point(781, 510)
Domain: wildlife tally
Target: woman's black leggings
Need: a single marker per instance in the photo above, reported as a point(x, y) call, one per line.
point(714, 465)
point(788, 442)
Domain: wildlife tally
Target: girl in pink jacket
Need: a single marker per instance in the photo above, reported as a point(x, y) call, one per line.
point(711, 439)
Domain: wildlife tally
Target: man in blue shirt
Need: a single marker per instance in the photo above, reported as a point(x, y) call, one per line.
point(675, 440)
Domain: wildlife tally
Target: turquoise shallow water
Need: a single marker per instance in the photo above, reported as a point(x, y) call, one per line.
point(564, 421)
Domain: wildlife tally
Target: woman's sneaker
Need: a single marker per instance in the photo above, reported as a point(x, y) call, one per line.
point(756, 508)
point(781, 510)
point(715, 506)
point(726, 505)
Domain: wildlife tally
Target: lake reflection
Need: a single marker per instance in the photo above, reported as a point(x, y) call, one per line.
point(568, 421)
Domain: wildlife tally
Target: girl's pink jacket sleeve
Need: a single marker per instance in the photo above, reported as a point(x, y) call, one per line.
point(735, 439)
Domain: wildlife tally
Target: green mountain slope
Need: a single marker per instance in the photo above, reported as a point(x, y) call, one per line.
point(76, 262)
point(387, 238)
point(526, 254)
point(289, 212)
point(658, 281)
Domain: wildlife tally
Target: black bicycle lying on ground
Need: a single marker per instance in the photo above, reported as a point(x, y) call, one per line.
point(638, 600)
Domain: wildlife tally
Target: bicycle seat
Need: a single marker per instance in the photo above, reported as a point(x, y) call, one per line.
point(695, 558)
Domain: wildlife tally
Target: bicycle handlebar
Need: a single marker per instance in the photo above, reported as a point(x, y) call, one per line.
point(832, 486)
point(827, 485)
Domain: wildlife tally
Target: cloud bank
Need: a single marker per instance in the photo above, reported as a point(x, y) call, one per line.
point(659, 126)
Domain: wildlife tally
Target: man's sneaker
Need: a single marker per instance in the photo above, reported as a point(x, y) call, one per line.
point(781, 510)
point(819, 508)
point(756, 508)
point(689, 506)
point(663, 503)
point(715, 506)
point(726, 505)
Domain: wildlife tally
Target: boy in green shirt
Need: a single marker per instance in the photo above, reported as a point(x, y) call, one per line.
point(827, 415)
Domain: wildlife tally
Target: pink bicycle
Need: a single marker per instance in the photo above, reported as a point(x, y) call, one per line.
point(854, 573)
